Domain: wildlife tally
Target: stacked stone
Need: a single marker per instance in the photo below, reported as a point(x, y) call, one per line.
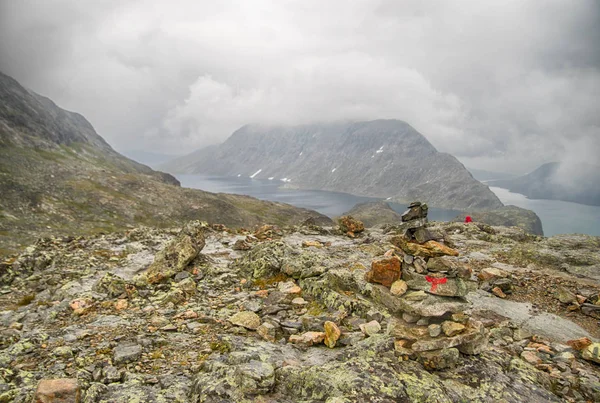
point(428, 296)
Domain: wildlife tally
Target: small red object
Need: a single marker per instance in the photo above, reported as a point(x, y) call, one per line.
point(435, 281)
point(468, 219)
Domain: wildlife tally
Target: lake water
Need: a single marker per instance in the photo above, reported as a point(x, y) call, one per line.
point(557, 217)
point(331, 204)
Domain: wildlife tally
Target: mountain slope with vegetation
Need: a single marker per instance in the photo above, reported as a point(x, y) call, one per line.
point(380, 158)
point(57, 175)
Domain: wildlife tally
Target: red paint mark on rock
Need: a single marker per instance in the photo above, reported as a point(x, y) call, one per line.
point(435, 281)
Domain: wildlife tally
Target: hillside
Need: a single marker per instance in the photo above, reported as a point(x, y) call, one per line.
point(57, 175)
point(578, 183)
point(508, 216)
point(381, 158)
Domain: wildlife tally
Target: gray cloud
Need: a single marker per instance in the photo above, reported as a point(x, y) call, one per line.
point(502, 86)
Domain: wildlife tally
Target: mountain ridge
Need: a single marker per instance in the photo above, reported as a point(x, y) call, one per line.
point(380, 158)
point(58, 176)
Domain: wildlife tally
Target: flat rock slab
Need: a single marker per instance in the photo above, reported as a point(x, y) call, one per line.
point(125, 353)
point(544, 324)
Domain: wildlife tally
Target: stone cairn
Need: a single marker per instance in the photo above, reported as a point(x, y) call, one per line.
point(427, 284)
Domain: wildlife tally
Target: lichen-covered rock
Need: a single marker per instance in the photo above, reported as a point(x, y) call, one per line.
point(440, 359)
point(273, 257)
point(125, 353)
point(591, 353)
point(332, 334)
point(452, 328)
point(398, 288)
point(350, 225)
point(267, 331)
point(246, 319)
point(439, 285)
point(177, 254)
point(450, 265)
point(110, 284)
point(428, 249)
point(370, 328)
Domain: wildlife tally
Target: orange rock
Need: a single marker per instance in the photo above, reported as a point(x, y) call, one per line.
point(121, 304)
point(498, 292)
point(316, 244)
point(531, 357)
point(384, 271)
point(80, 306)
point(579, 344)
point(491, 273)
point(64, 390)
point(262, 293)
point(308, 338)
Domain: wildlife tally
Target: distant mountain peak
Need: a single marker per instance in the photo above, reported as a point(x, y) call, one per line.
point(380, 158)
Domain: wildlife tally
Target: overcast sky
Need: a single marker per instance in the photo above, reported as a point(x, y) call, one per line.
point(503, 85)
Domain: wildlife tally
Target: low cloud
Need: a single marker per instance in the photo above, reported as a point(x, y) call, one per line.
point(503, 86)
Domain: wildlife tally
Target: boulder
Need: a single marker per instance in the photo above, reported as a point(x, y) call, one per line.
point(177, 254)
point(63, 390)
point(351, 226)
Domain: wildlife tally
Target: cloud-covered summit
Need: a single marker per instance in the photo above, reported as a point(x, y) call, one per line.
point(504, 86)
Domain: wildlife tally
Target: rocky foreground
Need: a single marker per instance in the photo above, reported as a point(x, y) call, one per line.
point(304, 314)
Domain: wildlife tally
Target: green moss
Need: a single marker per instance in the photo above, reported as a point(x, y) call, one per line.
point(26, 299)
point(220, 346)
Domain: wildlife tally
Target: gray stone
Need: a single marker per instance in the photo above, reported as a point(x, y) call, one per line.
point(434, 330)
point(125, 353)
point(370, 328)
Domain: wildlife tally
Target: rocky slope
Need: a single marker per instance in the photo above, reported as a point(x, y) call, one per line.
point(575, 183)
point(375, 214)
point(508, 216)
point(58, 176)
point(207, 314)
point(381, 158)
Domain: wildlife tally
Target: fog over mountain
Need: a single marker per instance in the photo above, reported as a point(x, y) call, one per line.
point(503, 86)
